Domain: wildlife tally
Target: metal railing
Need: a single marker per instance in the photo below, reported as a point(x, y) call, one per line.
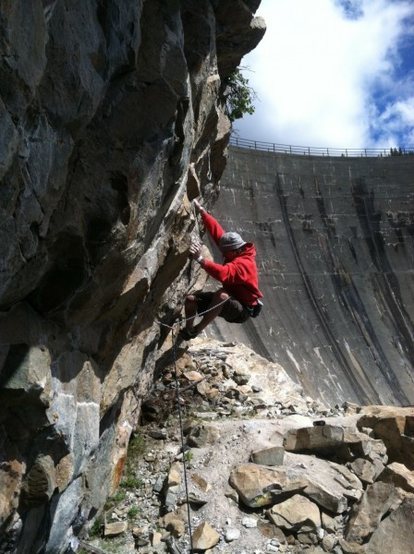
point(319, 151)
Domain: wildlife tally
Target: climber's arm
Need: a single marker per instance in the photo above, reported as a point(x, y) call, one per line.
point(217, 271)
point(213, 227)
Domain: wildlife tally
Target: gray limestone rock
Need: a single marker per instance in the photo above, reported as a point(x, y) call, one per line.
point(315, 439)
point(394, 428)
point(365, 470)
point(111, 122)
point(232, 534)
point(395, 533)
point(326, 483)
point(27, 370)
point(202, 435)
point(272, 456)
point(40, 482)
point(8, 146)
point(366, 516)
point(399, 476)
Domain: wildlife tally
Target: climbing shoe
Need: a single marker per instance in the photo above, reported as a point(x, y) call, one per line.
point(187, 334)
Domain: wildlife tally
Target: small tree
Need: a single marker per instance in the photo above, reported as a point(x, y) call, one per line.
point(238, 95)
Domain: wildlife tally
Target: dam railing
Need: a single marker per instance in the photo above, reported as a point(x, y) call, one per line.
point(319, 151)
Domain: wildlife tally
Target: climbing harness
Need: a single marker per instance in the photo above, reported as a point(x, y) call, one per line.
point(255, 310)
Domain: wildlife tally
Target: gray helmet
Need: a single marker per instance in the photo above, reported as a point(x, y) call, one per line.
point(231, 241)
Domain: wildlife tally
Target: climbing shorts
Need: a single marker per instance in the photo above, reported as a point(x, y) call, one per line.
point(233, 311)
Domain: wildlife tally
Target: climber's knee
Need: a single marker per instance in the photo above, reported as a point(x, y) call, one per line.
point(221, 296)
point(190, 301)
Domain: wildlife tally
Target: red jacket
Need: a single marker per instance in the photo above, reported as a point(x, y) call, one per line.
point(239, 276)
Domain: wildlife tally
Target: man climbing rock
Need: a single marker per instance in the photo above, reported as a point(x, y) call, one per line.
point(239, 297)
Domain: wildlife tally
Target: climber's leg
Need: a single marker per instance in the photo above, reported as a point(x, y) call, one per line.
point(210, 302)
point(217, 303)
point(190, 309)
point(207, 304)
point(214, 304)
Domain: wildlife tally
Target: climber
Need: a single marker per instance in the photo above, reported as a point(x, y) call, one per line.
point(239, 297)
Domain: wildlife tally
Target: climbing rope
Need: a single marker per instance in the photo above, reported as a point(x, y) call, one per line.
point(180, 419)
point(185, 319)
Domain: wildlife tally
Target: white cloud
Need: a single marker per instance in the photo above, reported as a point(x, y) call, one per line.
point(325, 79)
point(397, 119)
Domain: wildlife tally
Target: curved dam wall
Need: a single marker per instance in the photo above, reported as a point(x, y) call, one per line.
point(335, 241)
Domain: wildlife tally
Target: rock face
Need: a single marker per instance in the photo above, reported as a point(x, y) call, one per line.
point(111, 117)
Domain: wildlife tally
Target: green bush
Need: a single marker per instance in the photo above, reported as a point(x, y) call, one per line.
point(136, 449)
point(188, 455)
point(238, 96)
point(136, 446)
point(133, 512)
point(131, 482)
point(96, 529)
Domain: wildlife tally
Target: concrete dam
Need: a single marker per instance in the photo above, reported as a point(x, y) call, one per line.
point(335, 242)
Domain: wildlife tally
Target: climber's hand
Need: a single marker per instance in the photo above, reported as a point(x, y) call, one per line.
point(199, 208)
point(195, 249)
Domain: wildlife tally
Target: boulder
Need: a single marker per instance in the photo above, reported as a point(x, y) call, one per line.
point(337, 443)
point(374, 413)
point(193, 376)
point(27, 371)
point(173, 523)
point(313, 439)
point(174, 475)
point(258, 486)
point(329, 542)
point(115, 528)
point(399, 475)
point(295, 514)
point(241, 377)
point(156, 537)
point(393, 425)
point(377, 451)
point(396, 532)
point(202, 483)
point(205, 537)
point(250, 522)
point(272, 456)
point(366, 516)
point(202, 435)
point(330, 524)
point(365, 470)
point(231, 534)
point(324, 482)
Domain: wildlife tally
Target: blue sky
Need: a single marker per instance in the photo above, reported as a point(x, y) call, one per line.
point(336, 73)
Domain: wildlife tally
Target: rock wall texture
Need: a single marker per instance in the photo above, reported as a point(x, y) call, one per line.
point(111, 115)
point(335, 240)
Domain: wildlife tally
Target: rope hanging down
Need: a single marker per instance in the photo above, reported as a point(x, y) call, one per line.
point(180, 419)
point(185, 319)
